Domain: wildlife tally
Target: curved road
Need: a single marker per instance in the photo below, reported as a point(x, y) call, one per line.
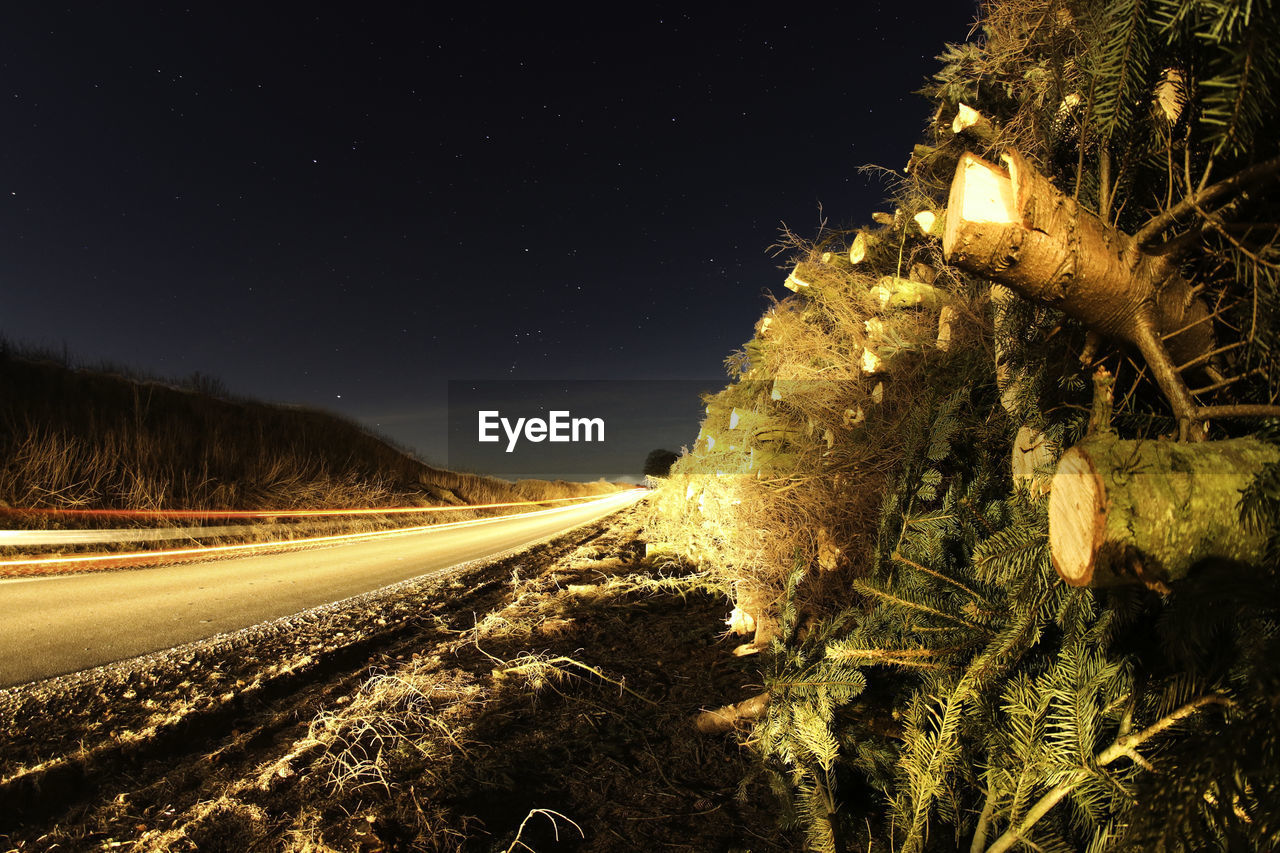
point(56, 625)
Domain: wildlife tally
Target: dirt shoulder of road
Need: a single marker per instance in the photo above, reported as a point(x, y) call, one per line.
point(549, 694)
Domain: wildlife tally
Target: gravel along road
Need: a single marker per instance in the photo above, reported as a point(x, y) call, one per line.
point(56, 625)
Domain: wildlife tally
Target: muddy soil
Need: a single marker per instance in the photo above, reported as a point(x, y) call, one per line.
point(542, 700)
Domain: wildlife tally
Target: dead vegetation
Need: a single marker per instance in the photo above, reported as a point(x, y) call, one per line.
point(77, 439)
point(794, 458)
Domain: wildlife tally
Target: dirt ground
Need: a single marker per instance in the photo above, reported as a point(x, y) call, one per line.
point(541, 702)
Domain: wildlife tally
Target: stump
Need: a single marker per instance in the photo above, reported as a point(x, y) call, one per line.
point(1148, 511)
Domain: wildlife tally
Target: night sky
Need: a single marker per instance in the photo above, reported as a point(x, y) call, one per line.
point(349, 207)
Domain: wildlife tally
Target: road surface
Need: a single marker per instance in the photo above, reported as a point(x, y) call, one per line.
point(61, 624)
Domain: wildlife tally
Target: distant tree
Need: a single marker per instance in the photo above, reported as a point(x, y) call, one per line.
point(658, 463)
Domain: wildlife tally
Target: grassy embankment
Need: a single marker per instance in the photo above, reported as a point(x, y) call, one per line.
point(77, 438)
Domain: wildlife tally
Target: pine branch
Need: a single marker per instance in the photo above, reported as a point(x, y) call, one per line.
point(912, 605)
point(887, 657)
point(1125, 746)
point(972, 593)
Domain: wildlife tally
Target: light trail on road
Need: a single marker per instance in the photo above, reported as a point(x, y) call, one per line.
point(26, 566)
point(64, 622)
point(268, 513)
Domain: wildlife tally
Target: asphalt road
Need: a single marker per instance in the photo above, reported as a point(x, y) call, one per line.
point(55, 625)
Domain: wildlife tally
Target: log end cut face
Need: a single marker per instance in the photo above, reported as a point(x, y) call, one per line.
point(981, 193)
point(1077, 518)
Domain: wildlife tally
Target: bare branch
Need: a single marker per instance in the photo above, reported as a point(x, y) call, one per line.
point(1243, 410)
point(1259, 172)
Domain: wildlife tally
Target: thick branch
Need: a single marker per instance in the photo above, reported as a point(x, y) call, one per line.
point(1169, 378)
point(1240, 411)
point(1017, 228)
point(1266, 170)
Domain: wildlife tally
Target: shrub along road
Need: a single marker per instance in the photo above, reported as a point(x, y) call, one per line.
point(56, 625)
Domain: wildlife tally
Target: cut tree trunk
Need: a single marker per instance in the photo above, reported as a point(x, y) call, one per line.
point(858, 251)
point(1148, 511)
point(808, 276)
point(839, 260)
point(797, 280)
point(948, 318)
point(760, 608)
point(725, 718)
point(969, 120)
point(929, 222)
point(1016, 228)
point(741, 622)
point(1032, 454)
point(893, 292)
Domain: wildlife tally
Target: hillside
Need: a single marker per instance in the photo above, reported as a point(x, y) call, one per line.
point(88, 439)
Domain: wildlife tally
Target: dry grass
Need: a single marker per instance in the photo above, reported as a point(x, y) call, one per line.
point(557, 711)
point(398, 720)
point(790, 468)
point(78, 439)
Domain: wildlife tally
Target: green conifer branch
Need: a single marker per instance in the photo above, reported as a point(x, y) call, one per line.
point(897, 555)
point(912, 605)
point(1122, 747)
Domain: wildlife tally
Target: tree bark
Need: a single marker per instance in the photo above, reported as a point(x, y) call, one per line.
point(1016, 228)
point(1032, 453)
point(725, 718)
point(1148, 511)
point(892, 292)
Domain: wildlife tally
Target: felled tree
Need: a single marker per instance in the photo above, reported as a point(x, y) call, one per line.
point(1031, 708)
point(1016, 228)
point(1004, 709)
point(1146, 214)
